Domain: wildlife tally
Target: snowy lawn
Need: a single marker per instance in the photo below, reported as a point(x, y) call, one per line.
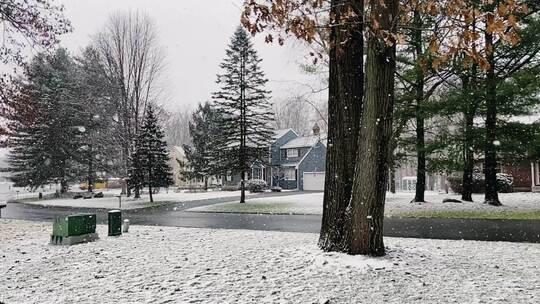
point(110, 201)
point(519, 205)
point(183, 265)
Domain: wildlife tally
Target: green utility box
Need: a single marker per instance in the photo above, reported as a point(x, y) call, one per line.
point(73, 229)
point(115, 222)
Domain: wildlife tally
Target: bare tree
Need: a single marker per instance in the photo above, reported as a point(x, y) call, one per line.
point(176, 127)
point(133, 61)
point(294, 113)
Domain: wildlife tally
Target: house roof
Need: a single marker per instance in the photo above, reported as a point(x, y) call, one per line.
point(301, 142)
point(280, 133)
point(295, 164)
point(525, 119)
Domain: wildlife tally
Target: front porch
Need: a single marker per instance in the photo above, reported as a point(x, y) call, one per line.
point(535, 176)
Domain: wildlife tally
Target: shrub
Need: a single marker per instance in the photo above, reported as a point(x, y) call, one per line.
point(505, 183)
point(256, 185)
point(230, 188)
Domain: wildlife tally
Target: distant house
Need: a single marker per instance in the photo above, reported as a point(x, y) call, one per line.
point(4, 167)
point(180, 165)
point(295, 162)
point(5, 181)
point(525, 175)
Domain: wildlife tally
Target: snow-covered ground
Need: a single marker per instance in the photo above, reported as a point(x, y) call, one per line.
point(183, 265)
point(110, 201)
point(398, 203)
point(8, 191)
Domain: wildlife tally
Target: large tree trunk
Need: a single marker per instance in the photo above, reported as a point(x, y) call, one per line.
point(419, 97)
point(243, 187)
point(243, 129)
point(150, 185)
point(490, 164)
point(127, 160)
point(364, 233)
point(421, 156)
point(392, 179)
point(468, 168)
point(346, 81)
point(466, 193)
point(64, 186)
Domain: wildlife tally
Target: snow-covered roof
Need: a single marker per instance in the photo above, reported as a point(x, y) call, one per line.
point(279, 133)
point(525, 119)
point(301, 142)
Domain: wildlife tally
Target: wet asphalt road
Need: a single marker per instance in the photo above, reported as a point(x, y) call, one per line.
point(174, 215)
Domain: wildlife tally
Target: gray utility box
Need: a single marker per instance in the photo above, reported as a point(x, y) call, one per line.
point(74, 229)
point(115, 222)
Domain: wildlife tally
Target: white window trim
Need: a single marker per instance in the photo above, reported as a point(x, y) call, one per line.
point(290, 153)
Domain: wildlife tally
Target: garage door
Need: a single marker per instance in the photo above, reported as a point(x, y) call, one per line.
point(313, 181)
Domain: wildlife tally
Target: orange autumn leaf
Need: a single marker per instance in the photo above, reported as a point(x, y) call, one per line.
point(433, 45)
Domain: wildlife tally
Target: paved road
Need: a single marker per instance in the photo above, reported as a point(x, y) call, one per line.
point(174, 215)
point(141, 216)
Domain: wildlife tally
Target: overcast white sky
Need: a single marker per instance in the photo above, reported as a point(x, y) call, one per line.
point(194, 35)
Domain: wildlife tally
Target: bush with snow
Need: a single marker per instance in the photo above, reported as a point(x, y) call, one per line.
point(505, 182)
point(256, 185)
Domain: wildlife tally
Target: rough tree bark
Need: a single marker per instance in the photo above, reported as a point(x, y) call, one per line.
point(392, 179)
point(466, 193)
point(64, 186)
point(490, 163)
point(364, 232)
point(346, 81)
point(419, 97)
point(243, 130)
point(150, 179)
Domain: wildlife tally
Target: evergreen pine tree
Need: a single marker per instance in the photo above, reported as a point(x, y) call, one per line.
point(243, 102)
point(47, 135)
point(201, 154)
point(150, 160)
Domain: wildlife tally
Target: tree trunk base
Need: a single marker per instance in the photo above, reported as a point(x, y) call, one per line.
point(493, 202)
point(466, 198)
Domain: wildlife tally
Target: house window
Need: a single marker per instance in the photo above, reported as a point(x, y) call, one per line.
point(256, 173)
point(292, 153)
point(229, 177)
point(289, 173)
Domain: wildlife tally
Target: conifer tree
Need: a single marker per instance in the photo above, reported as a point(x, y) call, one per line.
point(150, 161)
point(246, 113)
point(201, 154)
point(47, 136)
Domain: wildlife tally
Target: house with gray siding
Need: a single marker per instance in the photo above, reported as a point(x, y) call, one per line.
point(295, 162)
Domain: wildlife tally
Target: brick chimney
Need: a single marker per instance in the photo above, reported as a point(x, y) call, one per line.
point(316, 130)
